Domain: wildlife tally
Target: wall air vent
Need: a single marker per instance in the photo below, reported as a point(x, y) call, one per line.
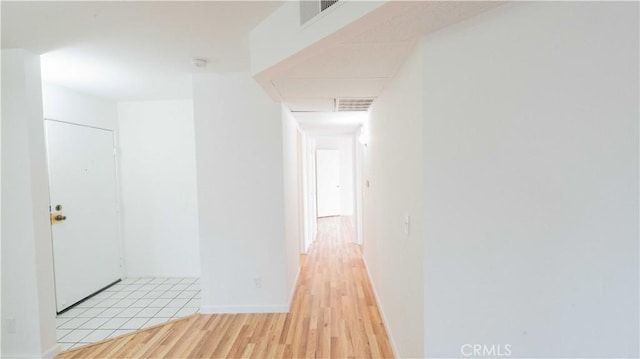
point(353, 104)
point(312, 8)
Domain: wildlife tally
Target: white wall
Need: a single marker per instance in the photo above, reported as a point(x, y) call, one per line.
point(359, 182)
point(292, 196)
point(28, 295)
point(310, 190)
point(393, 166)
point(62, 104)
point(159, 194)
point(531, 181)
point(240, 195)
point(345, 145)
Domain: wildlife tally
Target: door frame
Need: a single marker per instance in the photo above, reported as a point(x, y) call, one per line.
point(116, 166)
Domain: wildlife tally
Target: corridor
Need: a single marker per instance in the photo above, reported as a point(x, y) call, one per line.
point(333, 314)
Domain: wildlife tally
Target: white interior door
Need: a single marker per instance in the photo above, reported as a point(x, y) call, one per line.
point(328, 182)
point(82, 181)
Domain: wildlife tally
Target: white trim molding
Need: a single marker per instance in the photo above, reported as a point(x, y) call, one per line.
point(384, 318)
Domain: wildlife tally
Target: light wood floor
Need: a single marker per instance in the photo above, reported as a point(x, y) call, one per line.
point(333, 315)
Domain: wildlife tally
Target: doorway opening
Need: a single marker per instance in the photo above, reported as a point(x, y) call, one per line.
point(332, 173)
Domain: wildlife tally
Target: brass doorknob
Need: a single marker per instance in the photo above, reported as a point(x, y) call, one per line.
point(56, 217)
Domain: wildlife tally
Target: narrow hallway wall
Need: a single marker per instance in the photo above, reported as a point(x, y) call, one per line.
point(240, 195)
point(159, 194)
point(393, 169)
point(293, 210)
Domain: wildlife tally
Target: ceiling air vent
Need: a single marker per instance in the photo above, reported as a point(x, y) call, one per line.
point(312, 8)
point(324, 4)
point(353, 104)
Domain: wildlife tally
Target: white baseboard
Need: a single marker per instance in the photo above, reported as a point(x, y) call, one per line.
point(384, 317)
point(236, 309)
point(52, 352)
point(293, 290)
point(233, 309)
point(48, 354)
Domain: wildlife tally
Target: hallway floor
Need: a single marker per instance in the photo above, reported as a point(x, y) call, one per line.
point(127, 306)
point(333, 314)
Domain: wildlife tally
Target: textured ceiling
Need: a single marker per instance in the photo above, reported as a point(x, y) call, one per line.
point(369, 54)
point(425, 17)
point(142, 50)
point(349, 60)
